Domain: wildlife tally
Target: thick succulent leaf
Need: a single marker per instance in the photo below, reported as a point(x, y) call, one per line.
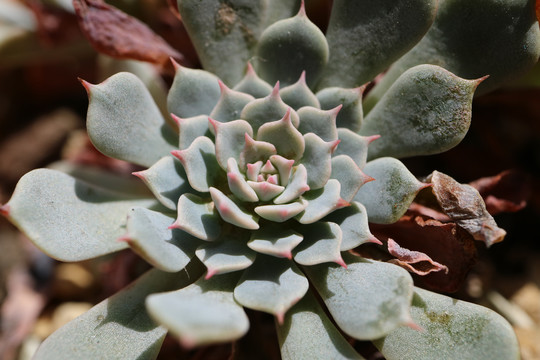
point(351, 114)
point(468, 39)
point(267, 109)
point(275, 241)
point(193, 92)
point(281, 212)
point(365, 37)
point(256, 151)
point(69, 219)
point(238, 184)
point(203, 313)
point(124, 122)
point(322, 243)
point(230, 139)
point(354, 145)
point(452, 329)
point(318, 160)
point(322, 202)
point(225, 255)
point(320, 122)
point(272, 285)
point(231, 212)
point(284, 136)
point(230, 104)
point(253, 85)
point(388, 197)
point(190, 129)
point(426, 111)
point(290, 46)
point(200, 164)
point(368, 299)
point(353, 222)
point(148, 234)
point(167, 180)
point(324, 340)
point(295, 187)
point(284, 167)
point(265, 190)
point(298, 95)
point(349, 175)
point(118, 327)
point(198, 217)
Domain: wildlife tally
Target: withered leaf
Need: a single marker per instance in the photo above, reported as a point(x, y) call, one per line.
point(464, 205)
point(114, 33)
point(413, 261)
point(507, 191)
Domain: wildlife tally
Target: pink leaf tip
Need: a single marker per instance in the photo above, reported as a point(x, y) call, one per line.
point(275, 91)
point(124, 238)
point(209, 273)
point(374, 240)
point(280, 316)
point(140, 174)
point(87, 86)
point(341, 203)
point(414, 325)
point(302, 10)
point(372, 138)
point(341, 262)
point(4, 210)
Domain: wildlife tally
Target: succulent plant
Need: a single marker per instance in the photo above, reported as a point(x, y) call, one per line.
point(264, 182)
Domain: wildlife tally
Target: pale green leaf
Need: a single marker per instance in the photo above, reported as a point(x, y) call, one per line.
point(322, 243)
point(274, 241)
point(226, 255)
point(198, 217)
point(351, 114)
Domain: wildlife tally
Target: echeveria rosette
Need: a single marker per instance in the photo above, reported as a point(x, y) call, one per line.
point(265, 187)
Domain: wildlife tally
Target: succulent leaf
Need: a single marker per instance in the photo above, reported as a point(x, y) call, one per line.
point(426, 111)
point(470, 328)
point(231, 212)
point(253, 85)
point(322, 243)
point(383, 292)
point(322, 202)
point(256, 151)
point(318, 160)
point(230, 104)
point(225, 255)
point(276, 242)
point(349, 175)
point(121, 112)
point(286, 138)
point(281, 212)
point(298, 95)
point(353, 222)
point(190, 129)
point(198, 217)
point(202, 313)
point(354, 146)
point(351, 114)
point(272, 285)
point(320, 122)
point(238, 184)
point(230, 140)
point(296, 186)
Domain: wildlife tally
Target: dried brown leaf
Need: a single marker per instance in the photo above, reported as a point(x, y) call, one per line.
point(464, 205)
point(414, 261)
point(114, 33)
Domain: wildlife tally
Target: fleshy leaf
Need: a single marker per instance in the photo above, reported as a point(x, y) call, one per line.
point(230, 104)
point(238, 184)
point(351, 114)
point(124, 122)
point(272, 285)
point(290, 46)
point(202, 313)
point(265, 190)
point(225, 255)
point(149, 236)
point(167, 180)
point(69, 219)
point(475, 332)
point(282, 212)
point(288, 141)
point(324, 340)
point(200, 163)
point(321, 202)
point(284, 167)
point(320, 122)
point(353, 222)
point(426, 111)
point(349, 175)
point(190, 129)
point(318, 160)
point(322, 243)
point(231, 212)
point(296, 186)
point(388, 197)
point(198, 217)
point(354, 145)
point(365, 37)
point(253, 85)
point(193, 92)
point(299, 94)
point(118, 326)
point(277, 242)
point(466, 45)
point(256, 151)
point(230, 139)
point(368, 299)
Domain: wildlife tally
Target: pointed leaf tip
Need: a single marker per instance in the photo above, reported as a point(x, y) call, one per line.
point(372, 138)
point(302, 10)
point(87, 86)
point(4, 210)
point(140, 174)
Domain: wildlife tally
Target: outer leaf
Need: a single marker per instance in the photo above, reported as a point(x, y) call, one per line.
point(198, 217)
point(230, 104)
point(204, 312)
point(353, 222)
point(299, 94)
point(320, 122)
point(365, 37)
point(318, 160)
point(226, 255)
point(349, 175)
point(276, 242)
point(368, 299)
point(388, 197)
point(322, 243)
point(354, 145)
point(190, 129)
point(193, 92)
point(290, 46)
point(272, 285)
point(149, 236)
point(453, 329)
point(124, 122)
point(253, 85)
point(488, 37)
point(118, 327)
point(351, 114)
point(324, 340)
point(67, 218)
point(426, 111)
point(322, 202)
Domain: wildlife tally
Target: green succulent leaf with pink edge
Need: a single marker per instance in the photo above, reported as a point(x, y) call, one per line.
point(267, 173)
